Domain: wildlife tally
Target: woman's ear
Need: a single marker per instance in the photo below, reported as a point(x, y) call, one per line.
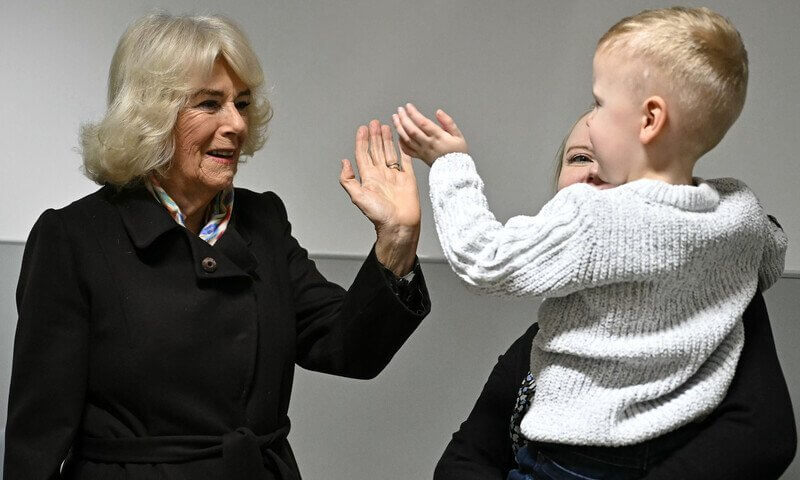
point(654, 118)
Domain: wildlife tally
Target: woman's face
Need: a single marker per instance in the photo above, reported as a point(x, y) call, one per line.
point(210, 131)
point(578, 164)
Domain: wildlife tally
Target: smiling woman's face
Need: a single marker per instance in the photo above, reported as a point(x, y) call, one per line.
point(578, 164)
point(210, 131)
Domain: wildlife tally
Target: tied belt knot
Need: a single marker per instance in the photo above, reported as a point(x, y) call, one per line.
point(244, 454)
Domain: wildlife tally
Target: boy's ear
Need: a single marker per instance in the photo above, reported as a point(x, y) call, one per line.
point(654, 118)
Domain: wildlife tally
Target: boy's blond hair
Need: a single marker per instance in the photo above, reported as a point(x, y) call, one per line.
point(702, 60)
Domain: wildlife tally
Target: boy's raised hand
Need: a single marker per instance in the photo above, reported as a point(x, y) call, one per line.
point(423, 139)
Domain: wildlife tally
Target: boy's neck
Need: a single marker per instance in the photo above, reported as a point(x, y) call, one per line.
point(675, 172)
point(671, 178)
point(662, 161)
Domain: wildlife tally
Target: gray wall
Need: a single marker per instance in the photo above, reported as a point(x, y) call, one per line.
point(396, 426)
point(514, 73)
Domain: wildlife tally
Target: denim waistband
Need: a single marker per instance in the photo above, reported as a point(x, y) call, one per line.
point(640, 456)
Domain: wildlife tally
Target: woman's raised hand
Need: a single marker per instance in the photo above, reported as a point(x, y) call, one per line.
point(387, 194)
point(423, 139)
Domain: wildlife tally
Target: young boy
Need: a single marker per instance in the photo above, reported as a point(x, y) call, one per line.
point(645, 283)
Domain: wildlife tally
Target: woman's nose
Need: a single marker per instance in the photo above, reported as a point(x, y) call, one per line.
point(234, 122)
point(591, 175)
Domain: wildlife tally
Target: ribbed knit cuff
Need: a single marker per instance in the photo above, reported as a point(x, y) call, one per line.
point(452, 168)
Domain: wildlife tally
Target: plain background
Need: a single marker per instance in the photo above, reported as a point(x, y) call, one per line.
point(514, 74)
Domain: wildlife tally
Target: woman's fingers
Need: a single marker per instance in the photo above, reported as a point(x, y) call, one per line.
point(447, 123)
point(363, 160)
point(407, 164)
point(375, 150)
point(389, 153)
point(376, 144)
point(347, 178)
point(347, 174)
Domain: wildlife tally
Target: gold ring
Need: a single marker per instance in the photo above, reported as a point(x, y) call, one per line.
point(393, 165)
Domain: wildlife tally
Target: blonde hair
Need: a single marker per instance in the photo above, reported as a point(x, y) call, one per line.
point(149, 83)
point(702, 58)
point(560, 152)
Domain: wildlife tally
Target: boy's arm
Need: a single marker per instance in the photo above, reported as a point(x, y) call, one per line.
point(489, 256)
point(751, 434)
point(545, 254)
point(773, 258)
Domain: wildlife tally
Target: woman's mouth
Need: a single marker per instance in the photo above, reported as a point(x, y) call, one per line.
point(222, 156)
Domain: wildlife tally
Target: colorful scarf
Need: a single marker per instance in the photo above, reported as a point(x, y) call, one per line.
point(217, 217)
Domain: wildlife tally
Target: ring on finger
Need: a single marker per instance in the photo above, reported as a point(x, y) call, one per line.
point(395, 165)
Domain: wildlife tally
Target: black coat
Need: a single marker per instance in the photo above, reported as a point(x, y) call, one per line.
point(147, 353)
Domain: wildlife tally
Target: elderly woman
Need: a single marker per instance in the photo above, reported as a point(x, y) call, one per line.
point(750, 434)
point(161, 317)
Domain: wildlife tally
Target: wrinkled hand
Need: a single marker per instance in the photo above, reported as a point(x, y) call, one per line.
point(423, 139)
point(387, 195)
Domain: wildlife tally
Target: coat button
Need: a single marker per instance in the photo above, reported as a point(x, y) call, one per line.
point(209, 264)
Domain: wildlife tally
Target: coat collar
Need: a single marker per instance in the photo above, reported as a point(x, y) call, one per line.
point(146, 220)
point(231, 254)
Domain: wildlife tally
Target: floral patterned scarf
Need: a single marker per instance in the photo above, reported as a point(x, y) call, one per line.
point(217, 217)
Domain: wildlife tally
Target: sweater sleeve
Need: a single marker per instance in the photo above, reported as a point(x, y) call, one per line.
point(774, 256)
point(529, 255)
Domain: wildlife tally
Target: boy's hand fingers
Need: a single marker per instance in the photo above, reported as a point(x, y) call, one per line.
point(407, 145)
point(421, 121)
point(401, 132)
point(407, 149)
point(447, 123)
point(414, 133)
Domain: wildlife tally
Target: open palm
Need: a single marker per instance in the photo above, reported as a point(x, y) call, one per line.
point(387, 190)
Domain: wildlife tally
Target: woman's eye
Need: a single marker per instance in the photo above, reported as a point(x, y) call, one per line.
point(242, 105)
point(208, 105)
point(580, 158)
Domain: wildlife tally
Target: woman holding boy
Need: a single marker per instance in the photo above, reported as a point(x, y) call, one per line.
point(645, 283)
point(749, 435)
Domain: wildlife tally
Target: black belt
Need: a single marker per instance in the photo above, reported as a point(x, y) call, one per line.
point(243, 452)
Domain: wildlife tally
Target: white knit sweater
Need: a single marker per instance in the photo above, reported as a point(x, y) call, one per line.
point(646, 284)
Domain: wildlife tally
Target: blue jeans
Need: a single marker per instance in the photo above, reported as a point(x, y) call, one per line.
point(549, 461)
point(536, 465)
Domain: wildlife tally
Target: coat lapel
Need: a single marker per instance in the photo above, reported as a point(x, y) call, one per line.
point(146, 220)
